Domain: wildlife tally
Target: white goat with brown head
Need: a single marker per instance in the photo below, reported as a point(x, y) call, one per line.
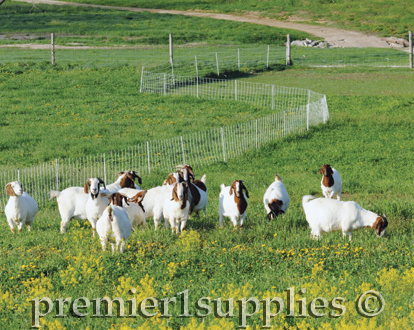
point(176, 206)
point(331, 182)
point(327, 215)
point(113, 223)
point(233, 202)
point(21, 208)
point(276, 199)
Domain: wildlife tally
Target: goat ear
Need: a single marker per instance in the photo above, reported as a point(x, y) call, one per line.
point(125, 199)
point(247, 193)
point(10, 190)
point(174, 194)
point(320, 171)
point(86, 187)
point(102, 182)
point(330, 170)
point(231, 189)
point(139, 179)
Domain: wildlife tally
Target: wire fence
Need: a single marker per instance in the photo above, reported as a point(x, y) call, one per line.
point(210, 60)
point(295, 110)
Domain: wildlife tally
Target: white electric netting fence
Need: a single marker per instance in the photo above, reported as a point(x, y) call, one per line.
point(295, 109)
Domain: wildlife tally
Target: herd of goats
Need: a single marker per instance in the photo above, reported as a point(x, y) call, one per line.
point(114, 210)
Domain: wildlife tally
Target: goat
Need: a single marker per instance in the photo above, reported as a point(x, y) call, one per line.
point(113, 223)
point(71, 201)
point(327, 215)
point(331, 182)
point(153, 203)
point(197, 194)
point(72, 204)
point(126, 179)
point(135, 211)
point(233, 203)
point(276, 199)
point(97, 201)
point(176, 206)
point(21, 208)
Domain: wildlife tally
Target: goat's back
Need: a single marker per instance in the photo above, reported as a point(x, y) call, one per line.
point(330, 214)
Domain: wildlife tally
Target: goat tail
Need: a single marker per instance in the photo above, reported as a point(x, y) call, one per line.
point(306, 199)
point(203, 179)
point(54, 193)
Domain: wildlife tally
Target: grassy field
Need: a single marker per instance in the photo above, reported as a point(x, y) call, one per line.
point(385, 17)
point(103, 27)
point(75, 110)
point(368, 140)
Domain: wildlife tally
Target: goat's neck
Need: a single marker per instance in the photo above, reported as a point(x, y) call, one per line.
point(15, 202)
point(368, 218)
point(328, 180)
point(241, 202)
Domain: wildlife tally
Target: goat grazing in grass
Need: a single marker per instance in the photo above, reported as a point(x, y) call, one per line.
point(276, 199)
point(325, 215)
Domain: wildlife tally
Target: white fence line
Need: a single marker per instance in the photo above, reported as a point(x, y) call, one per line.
point(295, 109)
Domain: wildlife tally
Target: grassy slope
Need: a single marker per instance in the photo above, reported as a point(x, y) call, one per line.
point(103, 27)
point(368, 139)
point(390, 18)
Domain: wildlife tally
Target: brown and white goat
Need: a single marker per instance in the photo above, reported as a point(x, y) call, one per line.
point(233, 202)
point(331, 182)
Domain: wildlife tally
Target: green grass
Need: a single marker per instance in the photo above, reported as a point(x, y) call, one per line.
point(368, 139)
point(103, 27)
point(385, 17)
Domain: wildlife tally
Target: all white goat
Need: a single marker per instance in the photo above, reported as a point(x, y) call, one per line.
point(72, 201)
point(331, 182)
point(153, 203)
point(135, 211)
point(276, 199)
point(21, 208)
point(233, 203)
point(113, 223)
point(326, 215)
point(97, 201)
point(176, 206)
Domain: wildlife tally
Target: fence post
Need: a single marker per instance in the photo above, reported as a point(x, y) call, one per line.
point(196, 65)
point(273, 97)
point(235, 89)
point(223, 144)
point(18, 174)
point(218, 72)
point(171, 50)
point(142, 73)
point(268, 50)
point(52, 40)
point(197, 87)
point(307, 111)
point(410, 38)
point(288, 58)
point(256, 133)
point(238, 58)
point(182, 148)
point(165, 84)
point(284, 123)
point(57, 175)
point(104, 168)
point(149, 166)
